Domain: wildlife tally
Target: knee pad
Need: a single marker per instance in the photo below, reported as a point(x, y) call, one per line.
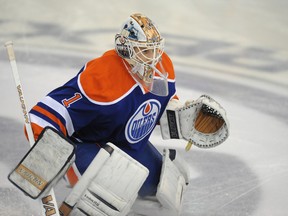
point(175, 176)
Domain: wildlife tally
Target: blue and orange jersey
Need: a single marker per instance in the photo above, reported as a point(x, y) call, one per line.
point(103, 103)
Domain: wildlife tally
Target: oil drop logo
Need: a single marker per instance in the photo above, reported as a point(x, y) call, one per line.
point(142, 121)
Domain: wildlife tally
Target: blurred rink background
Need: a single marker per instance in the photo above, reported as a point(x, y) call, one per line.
point(235, 51)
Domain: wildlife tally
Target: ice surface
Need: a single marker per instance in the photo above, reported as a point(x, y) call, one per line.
point(235, 51)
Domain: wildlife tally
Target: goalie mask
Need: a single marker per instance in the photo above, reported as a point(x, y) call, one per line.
point(141, 46)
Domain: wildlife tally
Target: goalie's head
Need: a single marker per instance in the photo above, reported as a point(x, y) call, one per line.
point(140, 44)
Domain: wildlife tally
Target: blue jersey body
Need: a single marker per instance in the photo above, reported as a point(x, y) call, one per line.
point(103, 103)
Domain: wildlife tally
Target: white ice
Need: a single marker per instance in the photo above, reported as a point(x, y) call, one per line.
point(235, 51)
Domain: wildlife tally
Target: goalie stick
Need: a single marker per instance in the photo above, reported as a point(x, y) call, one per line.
point(48, 204)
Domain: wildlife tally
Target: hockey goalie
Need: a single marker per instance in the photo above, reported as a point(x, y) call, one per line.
point(94, 130)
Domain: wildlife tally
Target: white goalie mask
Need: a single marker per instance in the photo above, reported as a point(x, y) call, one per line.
point(141, 46)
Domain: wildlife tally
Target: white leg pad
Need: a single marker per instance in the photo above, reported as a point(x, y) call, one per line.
point(171, 186)
point(149, 206)
point(181, 164)
point(175, 175)
point(114, 187)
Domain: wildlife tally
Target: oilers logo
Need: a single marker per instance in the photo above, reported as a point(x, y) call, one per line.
point(143, 121)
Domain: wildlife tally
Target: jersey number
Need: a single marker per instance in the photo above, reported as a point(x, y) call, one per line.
point(69, 101)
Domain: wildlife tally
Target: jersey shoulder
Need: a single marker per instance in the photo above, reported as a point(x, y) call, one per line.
point(105, 79)
point(168, 66)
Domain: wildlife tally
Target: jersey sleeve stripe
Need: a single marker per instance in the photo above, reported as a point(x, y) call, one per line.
point(59, 108)
point(47, 119)
point(53, 112)
point(52, 117)
point(40, 121)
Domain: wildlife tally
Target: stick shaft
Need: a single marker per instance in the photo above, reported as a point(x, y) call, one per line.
point(12, 59)
point(48, 203)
